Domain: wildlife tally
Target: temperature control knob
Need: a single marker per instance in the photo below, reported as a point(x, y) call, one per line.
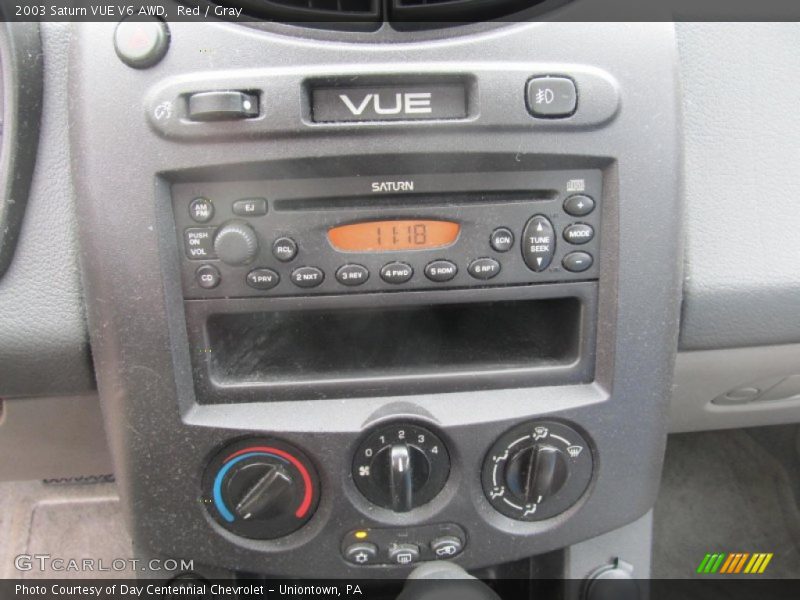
point(401, 466)
point(261, 488)
point(236, 243)
point(537, 470)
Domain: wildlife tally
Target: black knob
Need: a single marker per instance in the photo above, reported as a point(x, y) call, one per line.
point(401, 466)
point(261, 488)
point(536, 472)
point(258, 489)
point(236, 243)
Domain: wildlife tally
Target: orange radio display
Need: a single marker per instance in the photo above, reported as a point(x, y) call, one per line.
point(387, 236)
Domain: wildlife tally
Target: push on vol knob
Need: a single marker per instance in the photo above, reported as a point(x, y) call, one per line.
point(236, 243)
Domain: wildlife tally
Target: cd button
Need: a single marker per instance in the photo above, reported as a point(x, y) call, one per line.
point(484, 268)
point(307, 277)
point(579, 233)
point(263, 279)
point(396, 273)
point(440, 270)
point(207, 276)
point(502, 240)
point(352, 275)
point(577, 262)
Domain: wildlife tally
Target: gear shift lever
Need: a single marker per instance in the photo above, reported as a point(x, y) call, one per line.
point(444, 581)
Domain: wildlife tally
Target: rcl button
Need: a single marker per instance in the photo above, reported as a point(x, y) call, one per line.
point(352, 275)
point(284, 249)
point(263, 279)
point(484, 268)
point(538, 243)
point(199, 243)
point(579, 233)
point(396, 273)
point(307, 277)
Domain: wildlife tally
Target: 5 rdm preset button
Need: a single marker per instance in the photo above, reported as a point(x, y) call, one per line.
point(440, 270)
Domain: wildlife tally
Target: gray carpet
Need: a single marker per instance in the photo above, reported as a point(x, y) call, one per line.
point(725, 492)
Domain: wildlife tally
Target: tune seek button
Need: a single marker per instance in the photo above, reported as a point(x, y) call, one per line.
point(352, 275)
point(484, 268)
point(538, 243)
point(440, 270)
point(577, 262)
point(263, 279)
point(307, 277)
point(396, 273)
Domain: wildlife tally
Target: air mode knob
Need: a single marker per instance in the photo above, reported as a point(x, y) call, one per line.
point(537, 470)
point(236, 243)
point(261, 488)
point(401, 466)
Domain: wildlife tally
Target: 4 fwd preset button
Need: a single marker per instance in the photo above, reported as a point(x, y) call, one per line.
point(307, 277)
point(396, 272)
point(538, 243)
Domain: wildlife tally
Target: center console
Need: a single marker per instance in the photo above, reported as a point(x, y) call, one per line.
point(435, 321)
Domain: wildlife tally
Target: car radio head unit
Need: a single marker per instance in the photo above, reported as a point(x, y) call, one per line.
point(355, 235)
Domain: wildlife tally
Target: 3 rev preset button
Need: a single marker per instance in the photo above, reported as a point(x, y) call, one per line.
point(352, 275)
point(538, 243)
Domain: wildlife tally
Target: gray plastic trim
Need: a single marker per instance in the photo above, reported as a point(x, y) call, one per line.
point(702, 376)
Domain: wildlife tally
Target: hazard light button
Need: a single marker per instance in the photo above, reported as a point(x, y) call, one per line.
point(538, 243)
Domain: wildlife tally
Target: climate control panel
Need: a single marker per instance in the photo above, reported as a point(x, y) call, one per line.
point(342, 237)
